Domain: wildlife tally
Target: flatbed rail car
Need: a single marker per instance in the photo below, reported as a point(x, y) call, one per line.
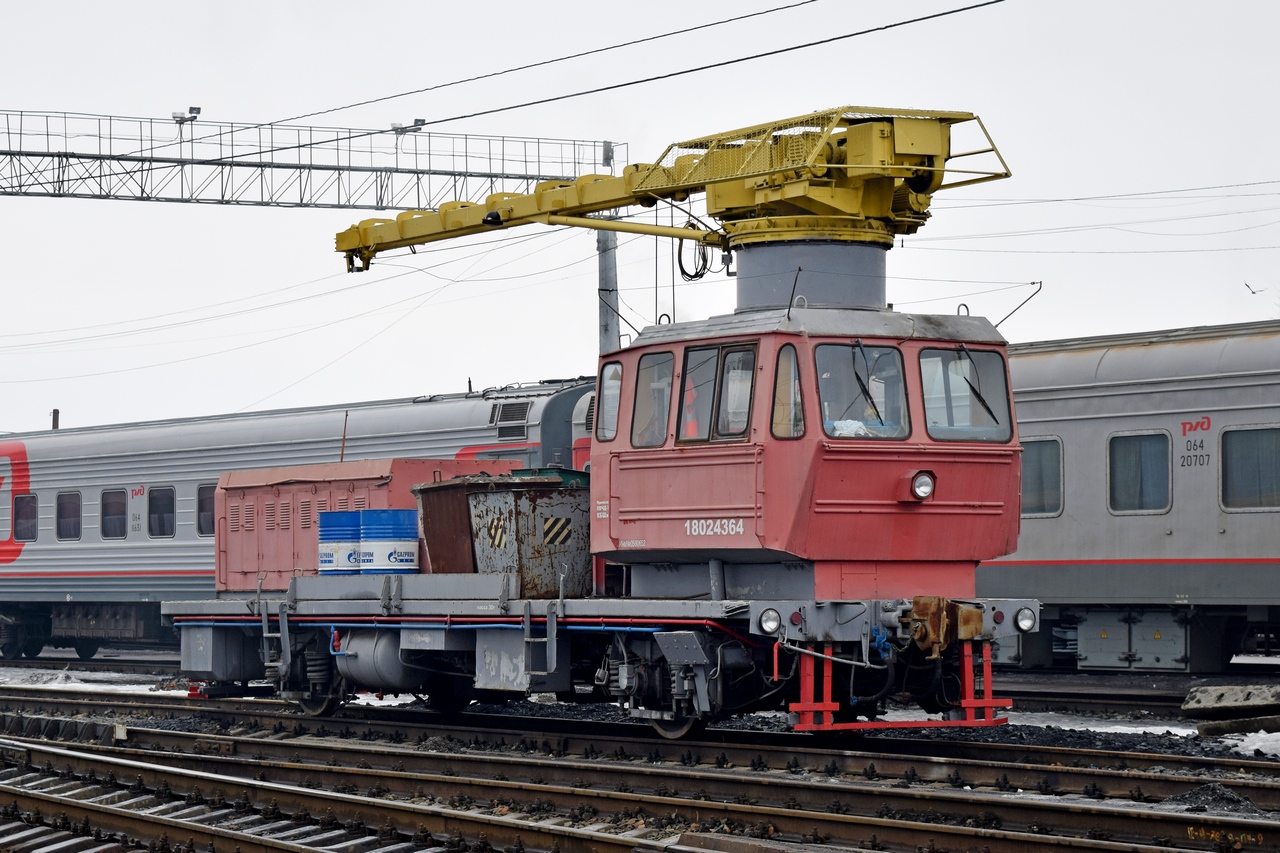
point(1150, 500)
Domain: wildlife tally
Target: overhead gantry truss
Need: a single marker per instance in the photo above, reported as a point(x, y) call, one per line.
point(187, 159)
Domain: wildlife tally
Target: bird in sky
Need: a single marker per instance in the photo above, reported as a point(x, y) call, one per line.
point(1254, 292)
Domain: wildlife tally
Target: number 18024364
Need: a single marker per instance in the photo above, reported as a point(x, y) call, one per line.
point(713, 526)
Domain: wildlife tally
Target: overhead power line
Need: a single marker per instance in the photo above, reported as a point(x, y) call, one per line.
point(612, 87)
point(1125, 226)
point(545, 62)
point(1098, 251)
point(515, 69)
point(983, 203)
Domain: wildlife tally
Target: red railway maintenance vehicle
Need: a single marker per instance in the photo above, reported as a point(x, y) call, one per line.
point(785, 506)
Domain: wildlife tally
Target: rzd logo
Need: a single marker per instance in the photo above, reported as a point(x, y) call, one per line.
point(15, 479)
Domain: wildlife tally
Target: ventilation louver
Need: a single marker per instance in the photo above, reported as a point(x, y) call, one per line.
point(512, 419)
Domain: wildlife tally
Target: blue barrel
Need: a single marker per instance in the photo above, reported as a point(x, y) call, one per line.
point(388, 541)
point(339, 535)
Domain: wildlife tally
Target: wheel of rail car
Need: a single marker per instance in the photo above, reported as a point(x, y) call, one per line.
point(86, 649)
point(320, 706)
point(10, 650)
point(679, 727)
point(33, 647)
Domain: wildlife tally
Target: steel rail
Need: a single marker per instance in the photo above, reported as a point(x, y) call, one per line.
point(283, 802)
point(392, 816)
point(1054, 769)
point(561, 781)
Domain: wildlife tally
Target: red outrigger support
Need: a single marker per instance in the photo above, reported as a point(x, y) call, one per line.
point(816, 714)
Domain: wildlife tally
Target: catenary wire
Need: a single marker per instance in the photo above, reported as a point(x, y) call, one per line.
point(612, 87)
point(545, 62)
point(1120, 226)
point(1109, 197)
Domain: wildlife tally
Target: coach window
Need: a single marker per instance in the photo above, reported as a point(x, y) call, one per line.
point(1041, 476)
point(204, 510)
point(607, 409)
point(1250, 468)
point(861, 391)
point(160, 512)
point(115, 514)
point(787, 420)
point(965, 396)
point(68, 515)
point(652, 407)
point(1138, 472)
point(26, 518)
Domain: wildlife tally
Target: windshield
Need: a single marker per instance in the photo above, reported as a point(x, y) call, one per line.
point(861, 391)
point(965, 395)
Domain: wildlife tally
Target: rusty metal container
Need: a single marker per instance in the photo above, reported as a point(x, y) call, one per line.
point(532, 524)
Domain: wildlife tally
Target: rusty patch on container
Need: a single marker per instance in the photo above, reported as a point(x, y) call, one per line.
point(533, 527)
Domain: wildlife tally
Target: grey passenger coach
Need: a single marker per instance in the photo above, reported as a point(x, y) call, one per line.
point(1150, 499)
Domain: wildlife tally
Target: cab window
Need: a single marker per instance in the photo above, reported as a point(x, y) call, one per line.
point(788, 410)
point(965, 395)
point(861, 391)
point(610, 393)
point(716, 392)
point(733, 409)
point(653, 399)
point(696, 394)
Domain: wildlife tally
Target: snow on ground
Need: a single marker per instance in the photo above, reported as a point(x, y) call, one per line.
point(1251, 744)
point(1180, 728)
point(102, 682)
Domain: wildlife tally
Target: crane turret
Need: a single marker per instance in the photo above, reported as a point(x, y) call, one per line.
point(823, 195)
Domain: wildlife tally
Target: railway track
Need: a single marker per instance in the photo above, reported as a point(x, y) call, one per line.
point(958, 796)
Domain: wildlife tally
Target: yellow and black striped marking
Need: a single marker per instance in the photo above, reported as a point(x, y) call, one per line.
point(497, 533)
point(556, 531)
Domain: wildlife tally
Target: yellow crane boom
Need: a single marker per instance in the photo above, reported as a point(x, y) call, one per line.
point(850, 174)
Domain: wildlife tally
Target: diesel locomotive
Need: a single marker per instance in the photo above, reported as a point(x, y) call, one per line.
point(784, 507)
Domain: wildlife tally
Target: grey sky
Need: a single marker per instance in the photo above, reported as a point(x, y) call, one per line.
point(1103, 110)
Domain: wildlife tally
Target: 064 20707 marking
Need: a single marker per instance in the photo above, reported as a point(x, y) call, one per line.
point(1194, 457)
point(713, 526)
